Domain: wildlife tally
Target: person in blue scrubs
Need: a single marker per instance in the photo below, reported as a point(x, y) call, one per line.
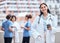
point(8, 33)
point(27, 27)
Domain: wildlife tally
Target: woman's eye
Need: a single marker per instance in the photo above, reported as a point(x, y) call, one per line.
point(41, 7)
point(44, 6)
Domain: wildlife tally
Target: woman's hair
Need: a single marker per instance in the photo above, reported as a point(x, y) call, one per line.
point(13, 16)
point(42, 12)
point(28, 16)
point(8, 16)
point(47, 9)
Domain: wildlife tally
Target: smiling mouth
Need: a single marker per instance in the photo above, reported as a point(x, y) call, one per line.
point(44, 10)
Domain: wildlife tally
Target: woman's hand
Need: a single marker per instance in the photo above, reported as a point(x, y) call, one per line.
point(39, 36)
point(13, 26)
point(49, 27)
point(22, 26)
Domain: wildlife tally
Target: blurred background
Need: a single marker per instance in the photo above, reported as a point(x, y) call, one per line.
point(20, 7)
point(30, 6)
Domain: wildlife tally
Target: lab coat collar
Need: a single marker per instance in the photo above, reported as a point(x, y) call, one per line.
point(48, 15)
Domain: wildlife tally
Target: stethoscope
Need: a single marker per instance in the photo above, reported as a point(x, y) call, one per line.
point(49, 19)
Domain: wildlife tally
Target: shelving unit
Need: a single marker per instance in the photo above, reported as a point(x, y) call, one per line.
point(21, 6)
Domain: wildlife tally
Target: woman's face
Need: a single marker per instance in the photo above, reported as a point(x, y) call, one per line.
point(44, 8)
point(13, 19)
point(26, 18)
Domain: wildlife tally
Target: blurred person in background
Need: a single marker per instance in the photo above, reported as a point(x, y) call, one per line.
point(15, 27)
point(27, 27)
point(8, 32)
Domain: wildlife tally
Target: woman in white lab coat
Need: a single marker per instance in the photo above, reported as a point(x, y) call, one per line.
point(44, 26)
point(15, 27)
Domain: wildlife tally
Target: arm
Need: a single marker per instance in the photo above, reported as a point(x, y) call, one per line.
point(34, 32)
point(2, 28)
point(28, 25)
point(10, 29)
point(54, 24)
point(27, 28)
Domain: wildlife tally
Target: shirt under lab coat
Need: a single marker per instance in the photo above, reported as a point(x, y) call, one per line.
point(39, 29)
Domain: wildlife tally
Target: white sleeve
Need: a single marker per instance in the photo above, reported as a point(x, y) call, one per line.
point(54, 24)
point(34, 33)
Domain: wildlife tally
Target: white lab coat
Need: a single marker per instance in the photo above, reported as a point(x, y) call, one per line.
point(38, 29)
point(50, 34)
point(16, 32)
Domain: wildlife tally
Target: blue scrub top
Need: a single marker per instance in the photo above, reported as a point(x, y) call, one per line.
point(26, 32)
point(6, 26)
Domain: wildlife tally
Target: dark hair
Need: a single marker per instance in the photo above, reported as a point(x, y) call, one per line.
point(12, 17)
point(8, 16)
point(41, 11)
point(28, 16)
